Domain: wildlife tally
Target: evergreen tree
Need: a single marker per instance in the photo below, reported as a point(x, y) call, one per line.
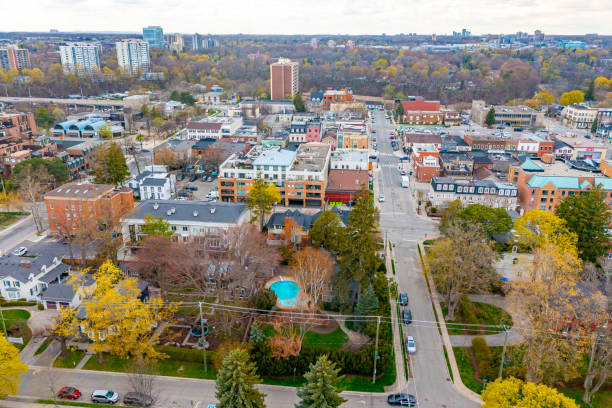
point(587, 214)
point(367, 304)
point(325, 231)
point(590, 93)
point(175, 96)
point(256, 335)
point(299, 103)
point(111, 167)
point(399, 111)
point(321, 390)
point(490, 119)
point(236, 382)
point(594, 126)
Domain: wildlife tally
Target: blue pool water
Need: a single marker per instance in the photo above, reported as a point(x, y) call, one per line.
point(286, 291)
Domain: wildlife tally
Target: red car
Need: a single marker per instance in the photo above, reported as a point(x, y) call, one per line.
point(69, 393)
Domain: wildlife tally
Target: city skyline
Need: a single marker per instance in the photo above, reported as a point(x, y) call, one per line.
point(291, 17)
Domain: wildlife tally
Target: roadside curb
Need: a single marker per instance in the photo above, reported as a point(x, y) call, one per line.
point(16, 224)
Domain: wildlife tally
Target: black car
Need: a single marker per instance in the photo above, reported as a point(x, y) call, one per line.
point(192, 188)
point(181, 176)
point(136, 399)
point(402, 400)
point(403, 299)
point(193, 178)
point(406, 316)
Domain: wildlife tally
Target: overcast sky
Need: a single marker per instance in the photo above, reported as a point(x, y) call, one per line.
point(310, 16)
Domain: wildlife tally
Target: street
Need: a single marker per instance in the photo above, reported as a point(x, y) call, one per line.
point(404, 228)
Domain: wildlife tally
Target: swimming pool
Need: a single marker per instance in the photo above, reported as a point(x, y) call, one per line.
point(286, 291)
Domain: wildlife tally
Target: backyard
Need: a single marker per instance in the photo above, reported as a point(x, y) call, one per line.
point(16, 321)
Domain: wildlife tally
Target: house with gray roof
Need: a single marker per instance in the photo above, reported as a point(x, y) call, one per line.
point(186, 218)
point(153, 183)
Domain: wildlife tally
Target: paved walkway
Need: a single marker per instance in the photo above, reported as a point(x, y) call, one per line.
point(83, 361)
point(356, 340)
point(27, 354)
point(47, 357)
point(493, 340)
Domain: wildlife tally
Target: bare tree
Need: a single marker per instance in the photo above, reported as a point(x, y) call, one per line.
point(130, 148)
point(32, 185)
point(52, 380)
point(312, 270)
point(142, 381)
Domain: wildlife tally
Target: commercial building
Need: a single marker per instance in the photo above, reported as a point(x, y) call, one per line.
point(416, 139)
point(76, 205)
point(217, 127)
point(349, 159)
point(133, 56)
point(187, 219)
point(443, 190)
point(516, 116)
point(352, 135)
point(284, 79)
point(583, 148)
point(426, 162)
point(13, 57)
point(343, 185)
point(301, 175)
point(418, 103)
point(422, 118)
point(579, 116)
point(305, 130)
point(543, 185)
point(17, 126)
point(154, 35)
point(340, 95)
point(81, 58)
point(457, 164)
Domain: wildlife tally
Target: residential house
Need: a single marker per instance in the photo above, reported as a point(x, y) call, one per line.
point(443, 190)
point(153, 183)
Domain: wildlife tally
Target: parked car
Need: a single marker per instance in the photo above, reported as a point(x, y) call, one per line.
point(402, 400)
point(406, 316)
point(381, 198)
point(136, 399)
point(403, 172)
point(69, 393)
point(20, 251)
point(403, 299)
point(193, 178)
point(192, 188)
point(104, 396)
point(410, 345)
point(181, 177)
point(209, 179)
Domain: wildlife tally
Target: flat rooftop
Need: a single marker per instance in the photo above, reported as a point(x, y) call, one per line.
point(579, 141)
point(560, 168)
point(311, 157)
point(350, 155)
point(425, 148)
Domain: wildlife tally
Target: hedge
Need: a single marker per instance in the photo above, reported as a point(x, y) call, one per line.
point(466, 310)
point(11, 303)
point(484, 358)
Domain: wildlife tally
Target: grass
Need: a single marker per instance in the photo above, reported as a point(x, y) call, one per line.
point(7, 219)
point(401, 328)
point(448, 366)
point(336, 339)
point(602, 399)
point(16, 321)
point(43, 346)
point(466, 369)
point(393, 266)
point(71, 359)
point(486, 313)
point(67, 403)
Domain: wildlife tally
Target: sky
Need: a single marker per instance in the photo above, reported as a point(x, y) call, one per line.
point(349, 17)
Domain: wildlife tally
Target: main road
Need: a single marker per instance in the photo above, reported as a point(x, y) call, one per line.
point(402, 226)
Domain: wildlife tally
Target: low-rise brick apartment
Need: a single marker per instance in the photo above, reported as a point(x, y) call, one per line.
point(16, 126)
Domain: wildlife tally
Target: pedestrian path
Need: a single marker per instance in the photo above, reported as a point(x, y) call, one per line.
point(27, 354)
point(83, 361)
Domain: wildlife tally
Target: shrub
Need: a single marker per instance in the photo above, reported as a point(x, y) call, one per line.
point(21, 302)
point(224, 349)
point(484, 358)
point(40, 306)
point(466, 310)
point(263, 299)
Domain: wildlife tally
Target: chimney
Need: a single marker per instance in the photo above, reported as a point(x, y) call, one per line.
point(212, 210)
point(195, 213)
point(26, 264)
point(155, 206)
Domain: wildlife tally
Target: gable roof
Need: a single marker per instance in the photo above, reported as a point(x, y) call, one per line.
point(208, 212)
point(303, 220)
point(530, 165)
point(44, 253)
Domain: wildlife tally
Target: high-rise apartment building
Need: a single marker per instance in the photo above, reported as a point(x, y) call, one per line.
point(133, 56)
point(81, 58)
point(13, 57)
point(196, 42)
point(209, 43)
point(284, 79)
point(154, 35)
point(176, 43)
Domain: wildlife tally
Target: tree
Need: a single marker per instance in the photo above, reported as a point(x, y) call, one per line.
point(511, 392)
point(32, 185)
point(56, 168)
point(263, 299)
point(399, 110)
point(321, 389)
point(590, 93)
point(256, 334)
point(594, 126)
point(366, 305)
point(105, 132)
point(572, 97)
point(116, 319)
point(461, 263)
point(490, 118)
point(43, 117)
point(312, 270)
point(111, 167)
point(156, 226)
point(261, 200)
point(64, 325)
point(545, 98)
point(165, 157)
point(299, 103)
point(450, 214)
point(174, 96)
point(142, 379)
point(326, 231)
point(236, 382)
point(545, 296)
point(493, 221)
point(11, 368)
point(536, 228)
point(587, 215)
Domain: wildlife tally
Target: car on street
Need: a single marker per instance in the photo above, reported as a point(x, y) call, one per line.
point(209, 179)
point(406, 316)
point(410, 345)
point(69, 393)
point(104, 396)
point(20, 251)
point(403, 299)
point(137, 399)
point(381, 198)
point(145, 151)
point(402, 400)
point(403, 172)
point(193, 178)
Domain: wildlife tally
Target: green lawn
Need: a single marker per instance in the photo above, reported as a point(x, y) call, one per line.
point(488, 314)
point(466, 369)
point(67, 403)
point(7, 219)
point(71, 360)
point(16, 321)
point(43, 346)
point(603, 399)
point(335, 339)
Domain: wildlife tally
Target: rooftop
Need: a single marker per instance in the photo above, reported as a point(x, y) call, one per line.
point(40, 254)
point(423, 138)
point(586, 168)
point(188, 211)
point(350, 155)
point(80, 190)
point(275, 157)
point(425, 148)
point(311, 157)
point(347, 180)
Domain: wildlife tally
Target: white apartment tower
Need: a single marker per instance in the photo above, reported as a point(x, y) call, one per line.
point(133, 56)
point(81, 58)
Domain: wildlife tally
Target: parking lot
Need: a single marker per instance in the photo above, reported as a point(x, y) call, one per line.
point(203, 187)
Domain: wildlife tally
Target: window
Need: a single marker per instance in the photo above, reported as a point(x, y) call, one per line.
point(16, 284)
point(545, 192)
point(185, 229)
point(173, 227)
point(543, 200)
point(51, 205)
point(7, 284)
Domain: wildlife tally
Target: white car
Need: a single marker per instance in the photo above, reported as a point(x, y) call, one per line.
point(381, 198)
point(20, 251)
point(410, 345)
point(104, 396)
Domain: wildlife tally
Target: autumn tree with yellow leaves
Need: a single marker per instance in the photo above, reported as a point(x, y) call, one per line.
point(65, 325)
point(11, 368)
point(117, 321)
point(536, 228)
point(511, 393)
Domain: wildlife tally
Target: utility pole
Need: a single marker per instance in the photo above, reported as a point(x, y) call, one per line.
point(203, 339)
point(3, 324)
point(376, 351)
point(503, 356)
